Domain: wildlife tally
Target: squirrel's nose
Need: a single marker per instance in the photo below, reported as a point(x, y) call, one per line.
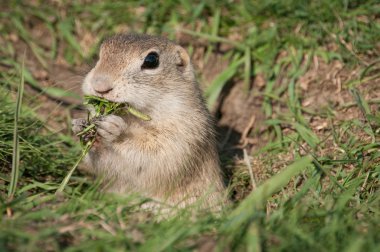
point(103, 92)
point(102, 84)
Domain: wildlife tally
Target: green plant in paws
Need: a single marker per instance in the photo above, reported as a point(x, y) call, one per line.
point(102, 107)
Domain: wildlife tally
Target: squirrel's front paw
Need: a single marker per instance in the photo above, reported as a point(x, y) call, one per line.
point(110, 127)
point(77, 125)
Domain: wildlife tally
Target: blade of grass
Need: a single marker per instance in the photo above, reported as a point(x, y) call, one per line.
point(362, 104)
point(68, 176)
point(317, 164)
point(247, 69)
point(215, 39)
point(214, 32)
point(257, 198)
point(16, 150)
point(368, 69)
point(213, 91)
point(267, 104)
point(307, 135)
point(66, 29)
point(366, 111)
point(41, 14)
point(253, 238)
point(37, 51)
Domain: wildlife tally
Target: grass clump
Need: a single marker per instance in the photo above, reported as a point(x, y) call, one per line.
point(103, 107)
point(43, 154)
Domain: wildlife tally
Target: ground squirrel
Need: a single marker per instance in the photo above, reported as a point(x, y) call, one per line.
point(173, 157)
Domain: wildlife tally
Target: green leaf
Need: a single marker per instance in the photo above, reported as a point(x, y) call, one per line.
point(66, 29)
point(16, 150)
point(213, 91)
point(257, 199)
point(247, 69)
point(307, 135)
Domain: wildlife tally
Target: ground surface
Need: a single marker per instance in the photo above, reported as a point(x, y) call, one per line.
point(295, 89)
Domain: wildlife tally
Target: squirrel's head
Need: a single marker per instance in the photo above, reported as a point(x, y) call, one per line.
point(143, 70)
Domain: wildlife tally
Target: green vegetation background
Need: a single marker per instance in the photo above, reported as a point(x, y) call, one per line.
point(332, 202)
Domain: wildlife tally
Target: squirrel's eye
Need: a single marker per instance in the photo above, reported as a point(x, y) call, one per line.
point(151, 61)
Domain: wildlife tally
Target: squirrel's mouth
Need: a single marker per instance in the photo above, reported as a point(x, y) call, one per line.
point(105, 97)
point(104, 106)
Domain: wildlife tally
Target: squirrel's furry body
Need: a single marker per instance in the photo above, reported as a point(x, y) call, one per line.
point(173, 157)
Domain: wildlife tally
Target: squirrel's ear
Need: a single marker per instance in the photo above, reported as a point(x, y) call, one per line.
point(182, 58)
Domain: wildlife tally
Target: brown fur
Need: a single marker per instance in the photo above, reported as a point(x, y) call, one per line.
point(171, 158)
